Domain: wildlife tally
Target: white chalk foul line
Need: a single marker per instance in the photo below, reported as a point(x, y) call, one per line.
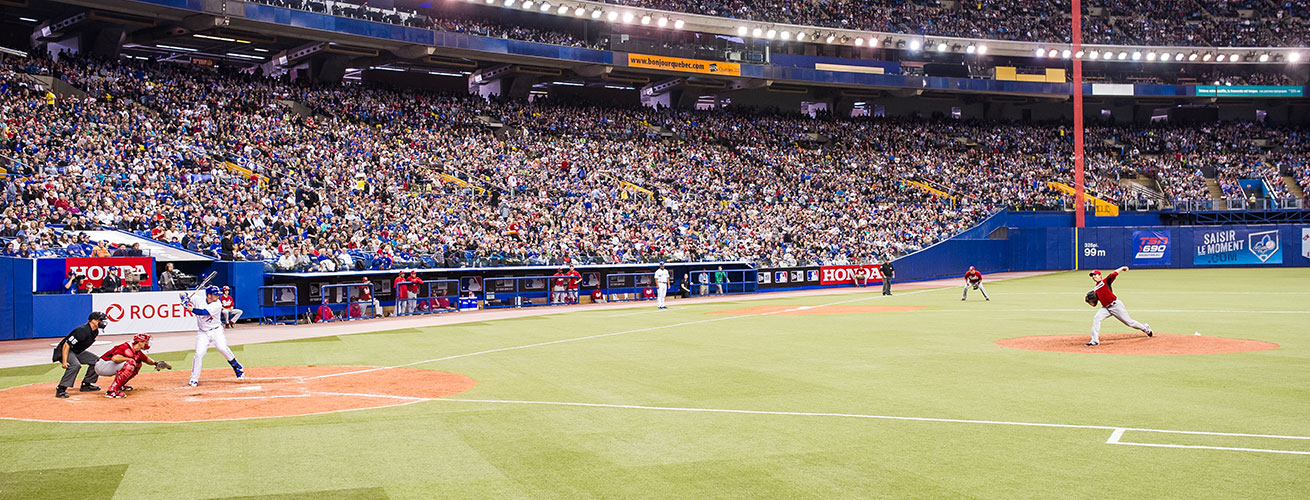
point(1114, 437)
point(601, 335)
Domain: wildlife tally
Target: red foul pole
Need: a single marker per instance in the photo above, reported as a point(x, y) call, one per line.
point(1079, 212)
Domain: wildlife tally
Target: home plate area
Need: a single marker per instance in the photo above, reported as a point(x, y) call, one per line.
point(271, 391)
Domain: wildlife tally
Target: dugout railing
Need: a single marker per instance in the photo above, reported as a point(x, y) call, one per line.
point(432, 296)
point(278, 305)
point(623, 287)
point(525, 291)
point(346, 303)
point(736, 281)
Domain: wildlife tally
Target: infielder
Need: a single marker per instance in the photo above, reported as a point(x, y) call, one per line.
point(209, 331)
point(124, 361)
point(973, 279)
point(1110, 305)
point(661, 286)
point(230, 313)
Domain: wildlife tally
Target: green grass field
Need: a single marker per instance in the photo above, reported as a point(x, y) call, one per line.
point(934, 363)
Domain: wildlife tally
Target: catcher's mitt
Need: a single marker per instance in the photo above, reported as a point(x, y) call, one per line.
point(162, 365)
point(1090, 298)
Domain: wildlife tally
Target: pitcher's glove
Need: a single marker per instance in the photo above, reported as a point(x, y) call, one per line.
point(162, 365)
point(1090, 298)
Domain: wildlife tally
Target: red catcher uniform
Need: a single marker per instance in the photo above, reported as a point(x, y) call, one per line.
point(973, 279)
point(1111, 306)
point(122, 371)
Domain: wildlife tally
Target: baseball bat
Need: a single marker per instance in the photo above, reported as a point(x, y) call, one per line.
point(201, 286)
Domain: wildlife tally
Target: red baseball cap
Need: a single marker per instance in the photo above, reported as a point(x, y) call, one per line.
point(1094, 273)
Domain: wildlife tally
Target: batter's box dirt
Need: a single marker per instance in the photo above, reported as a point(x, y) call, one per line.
point(1137, 343)
point(267, 391)
point(796, 310)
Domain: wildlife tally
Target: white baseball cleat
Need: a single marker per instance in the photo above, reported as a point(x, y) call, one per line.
point(192, 383)
point(1091, 344)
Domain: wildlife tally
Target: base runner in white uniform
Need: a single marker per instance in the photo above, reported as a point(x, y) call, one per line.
point(209, 331)
point(661, 286)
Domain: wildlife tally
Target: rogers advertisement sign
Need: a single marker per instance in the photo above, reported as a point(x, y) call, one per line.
point(96, 268)
point(144, 312)
point(845, 275)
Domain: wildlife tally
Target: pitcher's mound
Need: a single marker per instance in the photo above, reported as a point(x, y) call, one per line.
point(267, 391)
point(1137, 343)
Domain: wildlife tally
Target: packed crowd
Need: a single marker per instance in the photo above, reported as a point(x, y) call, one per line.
point(1140, 22)
point(378, 178)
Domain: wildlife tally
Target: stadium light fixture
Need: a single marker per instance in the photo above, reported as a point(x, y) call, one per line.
point(982, 49)
point(1123, 55)
point(1150, 56)
point(741, 31)
point(27, 19)
point(1164, 57)
point(595, 14)
point(1264, 57)
point(662, 21)
point(1066, 54)
point(1178, 56)
point(627, 17)
point(831, 38)
point(211, 37)
point(491, 2)
point(612, 16)
point(1192, 56)
point(257, 49)
point(770, 34)
point(1040, 52)
point(1137, 55)
point(645, 20)
point(914, 45)
point(174, 47)
point(785, 35)
point(1220, 57)
point(509, 3)
point(579, 12)
point(528, 4)
point(1053, 53)
point(859, 42)
point(1207, 57)
point(677, 25)
point(970, 49)
point(261, 58)
point(800, 35)
point(941, 47)
point(757, 32)
point(1079, 54)
point(1294, 57)
point(1093, 55)
point(563, 10)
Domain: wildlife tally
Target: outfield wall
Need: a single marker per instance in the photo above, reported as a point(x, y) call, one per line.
point(1006, 241)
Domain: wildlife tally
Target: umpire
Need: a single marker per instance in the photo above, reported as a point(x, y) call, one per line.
point(71, 354)
point(888, 273)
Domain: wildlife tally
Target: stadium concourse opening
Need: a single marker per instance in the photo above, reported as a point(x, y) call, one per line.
point(269, 391)
point(1136, 343)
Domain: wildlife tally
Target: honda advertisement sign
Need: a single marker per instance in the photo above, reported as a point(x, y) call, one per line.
point(96, 268)
point(846, 275)
point(144, 312)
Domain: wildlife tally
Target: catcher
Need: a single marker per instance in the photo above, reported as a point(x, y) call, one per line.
point(124, 361)
point(973, 279)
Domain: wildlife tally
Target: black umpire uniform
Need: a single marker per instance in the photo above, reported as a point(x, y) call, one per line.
point(77, 342)
point(888, 273)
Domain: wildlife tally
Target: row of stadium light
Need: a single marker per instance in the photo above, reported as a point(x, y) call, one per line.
point(627, 17)
point(1167, 56)
point(771, 32)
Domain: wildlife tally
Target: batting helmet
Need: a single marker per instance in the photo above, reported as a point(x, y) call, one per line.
point(141, 337)
point(213, 290)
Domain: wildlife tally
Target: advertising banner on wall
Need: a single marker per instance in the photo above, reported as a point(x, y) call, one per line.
point(845, 275)
point(96, 268)
point(143, 312)
point(787, 277)
point(1236, 246)
point(1305, 242)
point(1151, 248)
point(684, 65)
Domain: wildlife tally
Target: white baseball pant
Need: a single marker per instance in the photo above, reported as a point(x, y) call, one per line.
point(203, 340)
point(1120, 312)
point(660, 292)
point(980, 289)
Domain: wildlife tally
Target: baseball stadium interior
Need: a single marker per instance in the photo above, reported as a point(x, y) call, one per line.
point(308, 165)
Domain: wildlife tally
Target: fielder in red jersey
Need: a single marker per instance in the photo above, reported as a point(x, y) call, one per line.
point(1111, 306)
point(973, 279)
